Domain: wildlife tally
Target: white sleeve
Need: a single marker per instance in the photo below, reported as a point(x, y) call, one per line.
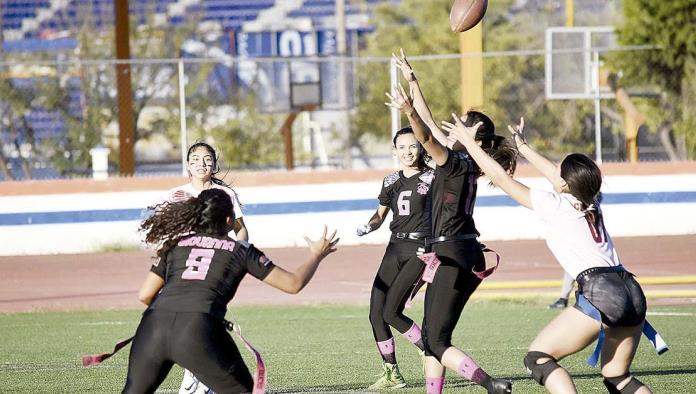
point(235, 203)
point(545, 204)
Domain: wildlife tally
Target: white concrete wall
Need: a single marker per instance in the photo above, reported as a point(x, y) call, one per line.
point(70, 232)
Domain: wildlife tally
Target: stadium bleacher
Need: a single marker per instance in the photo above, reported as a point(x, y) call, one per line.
point(50, 26)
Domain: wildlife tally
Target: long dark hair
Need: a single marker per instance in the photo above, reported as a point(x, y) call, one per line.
point(501, 149)
point(216, 167)
point(205, 214)
point(422, 155)
point(584, 180)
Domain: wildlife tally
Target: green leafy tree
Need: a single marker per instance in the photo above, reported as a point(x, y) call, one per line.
point(670, 26)
point(513, 85)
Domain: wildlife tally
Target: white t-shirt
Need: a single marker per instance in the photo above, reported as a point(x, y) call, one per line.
point(187, 191)
point(572, 237)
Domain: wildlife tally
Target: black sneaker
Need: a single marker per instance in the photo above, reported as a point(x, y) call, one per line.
point(500, 386)
point(559, 303)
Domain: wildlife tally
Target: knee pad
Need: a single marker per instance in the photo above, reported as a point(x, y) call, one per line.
point(540, 372)
point(631, 387)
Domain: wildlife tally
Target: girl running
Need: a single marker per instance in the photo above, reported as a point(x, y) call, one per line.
point(407, 194)
point(455, 245)
point(577, 237)
point(188, 290)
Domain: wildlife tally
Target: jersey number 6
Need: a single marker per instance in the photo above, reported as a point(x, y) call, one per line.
point(198, 263)
point(403, 204)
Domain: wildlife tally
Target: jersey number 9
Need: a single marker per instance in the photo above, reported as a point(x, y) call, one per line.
point(198, 263)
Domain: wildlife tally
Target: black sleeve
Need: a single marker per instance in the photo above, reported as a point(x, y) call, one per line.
point(159, 268)
point(457, 163)
point(385, 195)
point(257, 264)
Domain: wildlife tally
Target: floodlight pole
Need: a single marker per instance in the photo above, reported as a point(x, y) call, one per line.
point(598, 113)
point(342, 51)
point(182, 117)
point(126, 120)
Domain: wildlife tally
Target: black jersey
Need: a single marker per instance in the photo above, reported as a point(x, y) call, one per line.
point(454, 194)
point(409, 200)
point(202, 273)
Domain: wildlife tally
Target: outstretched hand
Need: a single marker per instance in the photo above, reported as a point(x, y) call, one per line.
point(404, 66)
point(400, 100)
point(518, 133)
point(458, 130)
point(324, 246)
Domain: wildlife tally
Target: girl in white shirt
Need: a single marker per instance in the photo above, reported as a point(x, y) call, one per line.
point(202, 165)
point(576, 235)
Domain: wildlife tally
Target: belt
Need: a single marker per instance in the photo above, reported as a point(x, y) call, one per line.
point(447, 238)
point(418, 235)
point(585, 275)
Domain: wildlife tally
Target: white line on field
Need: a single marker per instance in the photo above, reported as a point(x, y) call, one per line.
point(670, 314)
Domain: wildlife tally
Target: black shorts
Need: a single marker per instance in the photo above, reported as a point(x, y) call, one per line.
point(196, 341)
point(615, 293)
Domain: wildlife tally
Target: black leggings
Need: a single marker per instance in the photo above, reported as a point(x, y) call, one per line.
point(195, 341)
point(399, 271)
point(452, 286)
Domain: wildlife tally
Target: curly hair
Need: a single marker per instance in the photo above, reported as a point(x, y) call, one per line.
point(205, 214)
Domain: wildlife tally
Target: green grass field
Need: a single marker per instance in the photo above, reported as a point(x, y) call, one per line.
point(326, 348)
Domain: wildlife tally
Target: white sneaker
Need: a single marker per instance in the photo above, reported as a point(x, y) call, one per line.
point(189, 384)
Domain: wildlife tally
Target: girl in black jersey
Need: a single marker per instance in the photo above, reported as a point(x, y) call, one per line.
point(407, 194)
point(454, 236)
point(188, 288)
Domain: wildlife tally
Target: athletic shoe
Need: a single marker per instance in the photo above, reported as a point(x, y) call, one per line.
point(189, 384)
point(559, 303)
point(500, 386)
point(391, 378)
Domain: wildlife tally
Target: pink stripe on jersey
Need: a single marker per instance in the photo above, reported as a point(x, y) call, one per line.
point(386, 347)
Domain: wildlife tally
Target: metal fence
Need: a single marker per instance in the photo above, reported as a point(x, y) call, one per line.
point(53, 112)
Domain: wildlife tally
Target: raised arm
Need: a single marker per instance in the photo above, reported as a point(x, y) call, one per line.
point(375, 221)
point(401, 101)
point(494, 171)
point(419, 102)
point(547, 168)
point(293, 282)
point(241, 230)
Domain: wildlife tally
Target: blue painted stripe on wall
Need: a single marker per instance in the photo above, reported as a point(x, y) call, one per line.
point(114, 215)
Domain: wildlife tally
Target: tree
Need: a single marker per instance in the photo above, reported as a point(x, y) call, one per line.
point(671, 27)
point(513, 85)
point(83, 95)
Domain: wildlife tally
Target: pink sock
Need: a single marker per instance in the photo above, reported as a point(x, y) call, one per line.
point(413, 334)
point(470, 370)
point(386, 347)
point(434, 385)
